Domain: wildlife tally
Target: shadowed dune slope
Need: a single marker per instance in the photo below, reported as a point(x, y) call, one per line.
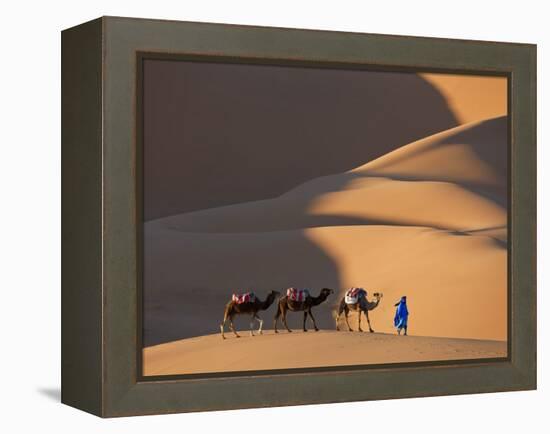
point(308, 350)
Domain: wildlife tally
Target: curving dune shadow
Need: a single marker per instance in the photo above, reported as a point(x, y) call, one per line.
point(219, 134)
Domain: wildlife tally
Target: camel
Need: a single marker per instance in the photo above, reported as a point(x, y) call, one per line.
point(251, 308)
point(285, 305)
point(362, 305)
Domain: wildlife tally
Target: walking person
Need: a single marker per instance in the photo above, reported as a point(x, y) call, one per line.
point(401, 315)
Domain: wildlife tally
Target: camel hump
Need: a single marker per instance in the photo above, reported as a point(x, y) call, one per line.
point(246, 297)
point(354, 294)
point(296, 294)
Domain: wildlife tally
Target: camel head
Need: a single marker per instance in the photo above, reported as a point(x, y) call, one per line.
point(377, 296)
point(326, 291)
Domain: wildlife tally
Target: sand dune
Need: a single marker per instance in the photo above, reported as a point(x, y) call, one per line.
point(460, 173)
point(364, 200)
point(307, 350)
point(474, 153)
point(219, 134)
point(261, 121)
point(427, 220)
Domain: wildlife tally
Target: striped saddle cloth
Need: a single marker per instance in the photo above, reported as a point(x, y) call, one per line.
point(353, 294)
point(295, 294)
point(247, 297)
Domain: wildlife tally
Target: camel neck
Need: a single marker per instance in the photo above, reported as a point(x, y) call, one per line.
point(319, 299)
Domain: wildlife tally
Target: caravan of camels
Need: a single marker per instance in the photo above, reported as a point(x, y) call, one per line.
point(297, 300)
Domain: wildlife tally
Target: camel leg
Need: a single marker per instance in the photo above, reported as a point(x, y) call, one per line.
point(221, 328)
point(305, 318)
point(222, 325)
point(232, 326)
point(261, 321)
point(368, 320)
point(252, 325)
point(283, 316)
point(277, 315)
point(360, 329)
point(285, 323)
point(313, 319)
point(346, 313)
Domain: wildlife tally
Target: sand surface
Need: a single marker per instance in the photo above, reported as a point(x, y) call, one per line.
point(305, 350)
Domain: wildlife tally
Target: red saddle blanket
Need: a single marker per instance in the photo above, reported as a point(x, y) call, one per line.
point(295, 294)
point(247, 297)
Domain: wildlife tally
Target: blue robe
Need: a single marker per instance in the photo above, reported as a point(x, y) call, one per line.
point(401, 315)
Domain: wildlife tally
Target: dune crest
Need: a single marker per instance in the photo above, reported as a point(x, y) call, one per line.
point(470, 153)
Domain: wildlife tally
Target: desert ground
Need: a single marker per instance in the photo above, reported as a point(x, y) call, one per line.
point(427, 219)
point(307, 350)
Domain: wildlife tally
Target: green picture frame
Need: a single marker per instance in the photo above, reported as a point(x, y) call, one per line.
point(101, 193)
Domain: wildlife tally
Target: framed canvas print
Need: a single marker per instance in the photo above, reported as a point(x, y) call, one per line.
point(262, 217)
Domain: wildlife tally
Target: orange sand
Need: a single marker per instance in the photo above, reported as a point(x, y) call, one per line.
point(308, 350)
